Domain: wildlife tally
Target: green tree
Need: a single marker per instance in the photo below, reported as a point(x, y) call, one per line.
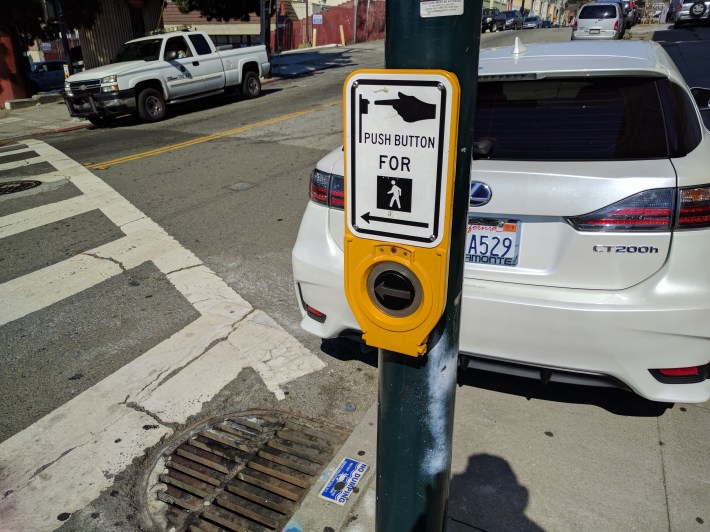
point(225, 10)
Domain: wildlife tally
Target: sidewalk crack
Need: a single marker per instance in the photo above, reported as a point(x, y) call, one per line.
point(663, 469)
point(49, 464)
point(155, 417)
point(110, 259)
point(185, 268)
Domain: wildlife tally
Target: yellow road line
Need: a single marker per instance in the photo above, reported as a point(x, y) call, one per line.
point(104, 165)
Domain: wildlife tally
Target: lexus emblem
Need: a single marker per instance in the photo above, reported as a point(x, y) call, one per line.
point(480, 194)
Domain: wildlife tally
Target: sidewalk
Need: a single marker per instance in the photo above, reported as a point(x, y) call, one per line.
point(529, 458)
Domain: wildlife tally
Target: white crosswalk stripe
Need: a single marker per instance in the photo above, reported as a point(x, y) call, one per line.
point(64, 460)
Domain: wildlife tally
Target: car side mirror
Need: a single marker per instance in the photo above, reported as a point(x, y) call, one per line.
point(702, 97)
point(171, 55)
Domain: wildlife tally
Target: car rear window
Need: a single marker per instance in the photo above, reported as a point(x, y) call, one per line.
point(571, 119)
point(591, 11)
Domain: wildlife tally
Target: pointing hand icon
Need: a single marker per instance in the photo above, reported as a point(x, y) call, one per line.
point(410, 108)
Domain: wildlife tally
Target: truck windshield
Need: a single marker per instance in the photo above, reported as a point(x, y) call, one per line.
point(139, 51)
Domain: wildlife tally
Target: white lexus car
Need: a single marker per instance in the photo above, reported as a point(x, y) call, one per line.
point(588, 250)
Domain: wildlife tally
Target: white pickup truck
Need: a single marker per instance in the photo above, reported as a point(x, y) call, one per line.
point(150, 72)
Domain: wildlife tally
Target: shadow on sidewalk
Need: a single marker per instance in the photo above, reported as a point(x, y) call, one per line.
point(487, 496)
point(613, 400)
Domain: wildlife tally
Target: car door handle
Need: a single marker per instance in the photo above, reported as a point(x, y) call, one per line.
point(195, 63)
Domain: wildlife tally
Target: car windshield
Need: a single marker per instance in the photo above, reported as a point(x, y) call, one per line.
point(571, 119)
point(139, 51)
point(488, 12)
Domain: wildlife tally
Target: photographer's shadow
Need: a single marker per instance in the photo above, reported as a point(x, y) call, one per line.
point(487, 496)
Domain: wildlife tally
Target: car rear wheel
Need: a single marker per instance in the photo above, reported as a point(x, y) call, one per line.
point(251, 86)
point(151, 105)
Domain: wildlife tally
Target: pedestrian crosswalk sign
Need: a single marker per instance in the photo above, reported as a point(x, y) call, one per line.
point(400, 156)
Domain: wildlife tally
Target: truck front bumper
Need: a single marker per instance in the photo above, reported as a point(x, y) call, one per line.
point(103, 104)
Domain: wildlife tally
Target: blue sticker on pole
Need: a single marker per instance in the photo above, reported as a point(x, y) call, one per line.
point(342, 482)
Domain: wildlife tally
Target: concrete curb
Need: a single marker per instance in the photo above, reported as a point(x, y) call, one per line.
point(316, 513)
point(37, 99)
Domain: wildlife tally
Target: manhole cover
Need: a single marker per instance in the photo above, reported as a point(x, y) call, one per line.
point(241, 472)
point(10, 187)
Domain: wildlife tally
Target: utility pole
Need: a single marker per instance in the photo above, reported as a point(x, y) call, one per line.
point(416, 395)
point(65, 40)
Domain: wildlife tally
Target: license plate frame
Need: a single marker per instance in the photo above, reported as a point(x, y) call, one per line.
point(595, 31)
point(493, 236)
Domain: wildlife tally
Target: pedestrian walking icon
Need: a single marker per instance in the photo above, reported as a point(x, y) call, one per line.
point(394, 193)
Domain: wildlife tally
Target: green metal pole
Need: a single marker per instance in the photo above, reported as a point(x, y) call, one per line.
point(416, 395)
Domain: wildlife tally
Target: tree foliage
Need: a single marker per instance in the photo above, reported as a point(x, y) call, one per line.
point(225, 10)
point(29, 19)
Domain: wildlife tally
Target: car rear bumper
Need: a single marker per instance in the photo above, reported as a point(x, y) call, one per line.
point(604, 35)
point(606, 335)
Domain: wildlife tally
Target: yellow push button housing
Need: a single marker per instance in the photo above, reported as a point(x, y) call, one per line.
point(400, 156)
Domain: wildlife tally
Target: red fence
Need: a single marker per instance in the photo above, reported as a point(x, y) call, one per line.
point(365, 18)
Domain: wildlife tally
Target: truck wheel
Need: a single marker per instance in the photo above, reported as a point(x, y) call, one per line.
point(251, 86)
point(151, 105)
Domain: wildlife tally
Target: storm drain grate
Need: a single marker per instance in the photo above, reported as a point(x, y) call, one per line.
point(246, 472)
point(10, 187)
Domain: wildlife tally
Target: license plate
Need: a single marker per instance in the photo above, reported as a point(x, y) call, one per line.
point(491, 241)
point(593, 32)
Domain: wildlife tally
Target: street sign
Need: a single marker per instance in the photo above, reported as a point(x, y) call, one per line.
point(400, 138)
point(398, 155)
point(317, 19)
point(343, 481)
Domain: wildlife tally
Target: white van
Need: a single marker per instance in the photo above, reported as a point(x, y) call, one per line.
point(600, 20)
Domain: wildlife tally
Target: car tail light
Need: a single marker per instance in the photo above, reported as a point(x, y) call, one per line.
point(687, 375)
point(574, 25)
point(693, 208)
point(327, 189)
point(315, 314)
point(679, 372)
point(616, 25)
point(651, 210)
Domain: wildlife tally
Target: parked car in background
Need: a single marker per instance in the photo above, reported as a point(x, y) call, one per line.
point(588, 228)
point(598, 21)
point(690, 11)
point(509, 20)
point(151, 72)
point(547, 24)
point(46, 76)
point(488, 19)
point(533, 22)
